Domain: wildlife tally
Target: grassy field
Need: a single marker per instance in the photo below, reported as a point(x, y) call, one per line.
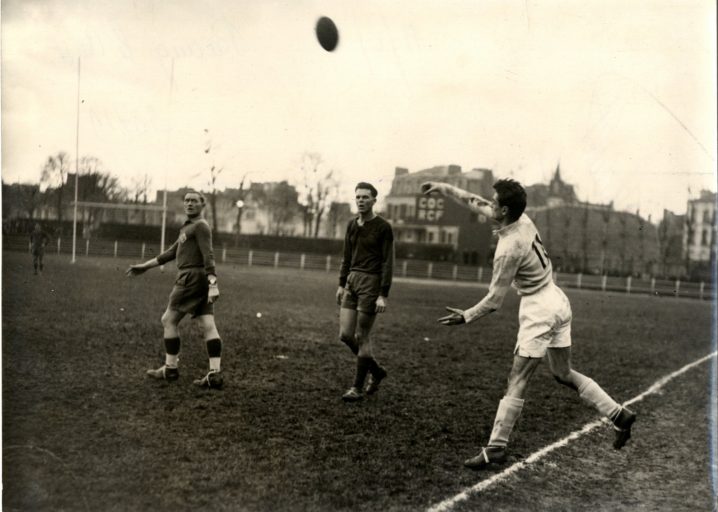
point(84, 429)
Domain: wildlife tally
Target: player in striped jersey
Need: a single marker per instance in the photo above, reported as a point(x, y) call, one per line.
point(544, 316)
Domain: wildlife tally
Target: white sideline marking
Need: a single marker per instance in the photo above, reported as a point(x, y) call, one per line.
point(448, 503)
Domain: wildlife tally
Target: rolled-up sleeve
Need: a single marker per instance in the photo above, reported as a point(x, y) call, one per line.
point(505, 267)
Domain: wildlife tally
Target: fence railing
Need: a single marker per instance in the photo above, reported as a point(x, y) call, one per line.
point(402, 267)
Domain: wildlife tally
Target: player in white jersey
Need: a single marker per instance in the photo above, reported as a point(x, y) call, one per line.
point(544, 316)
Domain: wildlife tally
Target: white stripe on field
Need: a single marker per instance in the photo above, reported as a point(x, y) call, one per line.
point(448, 503)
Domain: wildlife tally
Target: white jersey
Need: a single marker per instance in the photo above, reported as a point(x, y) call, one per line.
point(520, 261)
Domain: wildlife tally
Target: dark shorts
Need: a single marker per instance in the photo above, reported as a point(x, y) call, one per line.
point(361, 292)
point(189, 294)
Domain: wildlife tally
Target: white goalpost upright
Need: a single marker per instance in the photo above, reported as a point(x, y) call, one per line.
point(77, 165)
point(116, 206)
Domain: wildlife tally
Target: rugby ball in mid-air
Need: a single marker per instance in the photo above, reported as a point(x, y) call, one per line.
point(327, 33)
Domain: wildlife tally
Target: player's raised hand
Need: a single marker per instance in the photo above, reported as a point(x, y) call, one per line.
point(135, 270)
point(430, 186)
point(455, 317)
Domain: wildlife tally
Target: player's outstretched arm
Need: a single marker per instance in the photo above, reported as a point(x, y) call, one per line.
point(455, 317)
point(473, 201)
point(141, 268)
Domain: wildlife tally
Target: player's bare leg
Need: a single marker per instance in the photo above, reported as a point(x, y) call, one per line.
point(213, 379)
point(507, 413)
point(170, 322)
point(590, 392)
point(347, 328)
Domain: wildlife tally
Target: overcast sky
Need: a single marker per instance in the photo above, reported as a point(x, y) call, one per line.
point(621, 93)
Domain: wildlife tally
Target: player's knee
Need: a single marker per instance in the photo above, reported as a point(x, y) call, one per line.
point(168, 320)
point(362, 337)
point(564, 379)
point(207, 325)
point(365, 351)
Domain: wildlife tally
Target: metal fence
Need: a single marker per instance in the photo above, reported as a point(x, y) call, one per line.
point(403, 267)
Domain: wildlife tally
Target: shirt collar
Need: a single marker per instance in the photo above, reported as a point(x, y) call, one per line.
point(506, 230)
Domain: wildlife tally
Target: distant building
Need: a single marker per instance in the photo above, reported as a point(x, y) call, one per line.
point(556, 193)
point(441, 220)
point(670, 241)
point(699, 235)
point(597, 239)
point(336, 220)
point(579, 236)
point(269, 208)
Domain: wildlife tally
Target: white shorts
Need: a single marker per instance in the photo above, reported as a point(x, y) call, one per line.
point(544, 321)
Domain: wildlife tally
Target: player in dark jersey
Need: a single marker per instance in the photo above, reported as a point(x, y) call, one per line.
point(364, 283)
point(38, 241)
point(194, 292)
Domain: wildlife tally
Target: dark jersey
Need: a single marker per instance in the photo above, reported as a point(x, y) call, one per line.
point(38, 240)
point(193, 248)
point(369, 248)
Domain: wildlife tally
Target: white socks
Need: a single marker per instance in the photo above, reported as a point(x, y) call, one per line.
point(594, 395)
point(508, 412)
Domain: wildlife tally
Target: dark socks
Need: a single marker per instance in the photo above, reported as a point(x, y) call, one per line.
point(349, 342)
point(214, 347)
point(172, 346)
point(363, 365)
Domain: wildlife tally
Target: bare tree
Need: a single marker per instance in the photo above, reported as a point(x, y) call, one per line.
point(22, 197)
point(214, 173)
point(239, 203)
point(140, 190)
point(54, 175)
point(281, 200)
point(319, 185)
point(96, 185)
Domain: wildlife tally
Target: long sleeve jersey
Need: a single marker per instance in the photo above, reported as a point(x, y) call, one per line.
point(193, 248)
point(520, 261)
point(38, 240)
point(369, 248)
